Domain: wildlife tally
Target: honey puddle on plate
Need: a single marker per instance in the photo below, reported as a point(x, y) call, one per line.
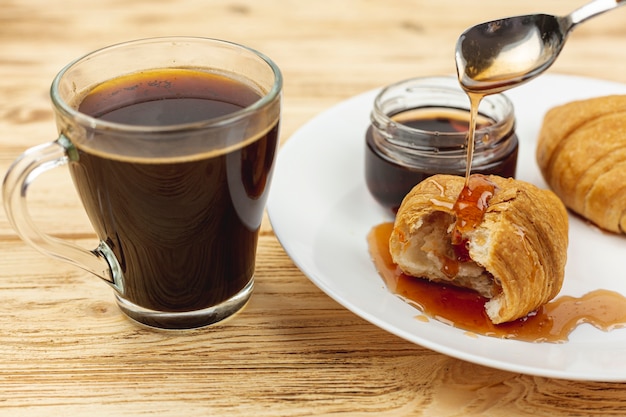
point(465, 310)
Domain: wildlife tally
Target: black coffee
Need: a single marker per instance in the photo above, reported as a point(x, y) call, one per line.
point(184, 231)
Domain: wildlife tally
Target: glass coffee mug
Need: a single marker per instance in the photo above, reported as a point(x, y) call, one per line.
point(171, 144)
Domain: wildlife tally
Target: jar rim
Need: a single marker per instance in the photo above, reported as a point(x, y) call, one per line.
point(436, 92)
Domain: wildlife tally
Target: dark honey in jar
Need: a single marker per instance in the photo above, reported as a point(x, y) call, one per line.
point(419, 128)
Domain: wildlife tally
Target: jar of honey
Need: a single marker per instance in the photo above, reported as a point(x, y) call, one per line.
point(419, 128)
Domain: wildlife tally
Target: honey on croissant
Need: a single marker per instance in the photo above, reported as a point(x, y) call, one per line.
point(469, 207)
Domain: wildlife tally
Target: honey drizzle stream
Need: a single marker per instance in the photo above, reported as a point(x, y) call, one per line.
point(465, 309)
point(473, 200)
point(470, 141)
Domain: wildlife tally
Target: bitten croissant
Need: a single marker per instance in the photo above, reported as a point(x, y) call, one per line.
point(581, 152)
point(517, 249)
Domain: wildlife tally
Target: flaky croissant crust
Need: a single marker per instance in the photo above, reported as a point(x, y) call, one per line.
point(521, 243)
point(581, 152)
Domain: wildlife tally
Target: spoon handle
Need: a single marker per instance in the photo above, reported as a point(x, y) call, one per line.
point(590, 10)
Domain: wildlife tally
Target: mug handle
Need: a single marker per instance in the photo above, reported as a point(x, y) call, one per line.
point(33, 162)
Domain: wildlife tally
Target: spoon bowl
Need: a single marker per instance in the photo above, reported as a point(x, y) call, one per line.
point(497, 55)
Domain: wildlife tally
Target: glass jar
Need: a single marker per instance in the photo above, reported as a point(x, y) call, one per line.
point(419, 128)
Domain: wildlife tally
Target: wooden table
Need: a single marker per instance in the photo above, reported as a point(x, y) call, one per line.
point(65, 349)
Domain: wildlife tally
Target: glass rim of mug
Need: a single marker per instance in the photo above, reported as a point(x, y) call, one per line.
point(94, 123)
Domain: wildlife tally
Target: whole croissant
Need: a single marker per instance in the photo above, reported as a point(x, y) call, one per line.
point(581, 152)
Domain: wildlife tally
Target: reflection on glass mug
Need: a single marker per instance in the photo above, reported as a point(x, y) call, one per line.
point(171, 144)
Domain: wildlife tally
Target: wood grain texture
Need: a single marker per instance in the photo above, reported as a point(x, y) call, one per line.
point(65, 349)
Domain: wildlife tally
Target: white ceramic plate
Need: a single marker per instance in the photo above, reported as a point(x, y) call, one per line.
point(321, 212)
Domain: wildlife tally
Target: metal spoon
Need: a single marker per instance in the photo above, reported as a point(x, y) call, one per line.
point(497, 55)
